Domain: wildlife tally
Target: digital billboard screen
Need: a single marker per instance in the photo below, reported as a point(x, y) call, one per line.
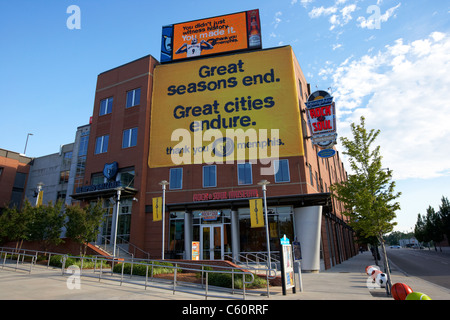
point(210, 36)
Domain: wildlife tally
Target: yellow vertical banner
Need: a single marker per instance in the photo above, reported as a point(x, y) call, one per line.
point(256, 213)
point(157, 209)
point(39, 198)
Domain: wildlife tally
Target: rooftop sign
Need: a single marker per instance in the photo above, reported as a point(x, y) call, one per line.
point(210, 36)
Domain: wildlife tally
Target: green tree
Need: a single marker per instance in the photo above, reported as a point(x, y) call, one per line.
point(433, 226)
point(15, 224)
point(46, 223)
point(419, 230)
point(368, 194)
point(444, 211)
point(83, 223)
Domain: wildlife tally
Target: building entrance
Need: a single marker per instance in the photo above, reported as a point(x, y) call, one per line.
point(211, 242)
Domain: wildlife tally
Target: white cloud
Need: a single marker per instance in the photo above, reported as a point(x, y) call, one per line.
point(375, 20)
point(277, 19)
point(338, 17)
point(317, 12)
point(304, 3)
point(402, 91)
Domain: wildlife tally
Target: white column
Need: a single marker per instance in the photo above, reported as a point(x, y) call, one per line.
point(188, 235)
point(235, 239)
point(308, 222)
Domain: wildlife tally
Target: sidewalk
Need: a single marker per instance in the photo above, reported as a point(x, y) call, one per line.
point(346, 281)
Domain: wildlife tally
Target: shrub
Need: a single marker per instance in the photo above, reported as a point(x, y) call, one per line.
point(57, 260)
point(140, 269)
point(225, 280)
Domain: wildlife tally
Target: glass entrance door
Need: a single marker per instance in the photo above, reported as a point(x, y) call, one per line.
point(211, 236)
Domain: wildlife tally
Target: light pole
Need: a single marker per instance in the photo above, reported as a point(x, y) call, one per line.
point(263, 183)
point(26, 143)
point(163, 183)
point(117, 221)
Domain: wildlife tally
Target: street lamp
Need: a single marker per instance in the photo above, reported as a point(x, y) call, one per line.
point(263, 183)
point(163, 183)
point(26, 143)
point(119, 191)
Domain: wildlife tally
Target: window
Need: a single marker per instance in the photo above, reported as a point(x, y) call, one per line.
point(282, 170)
point(176, 178)
point(101, 144)
point(61, 195)
point(68, 155)
point(64, 177)
point(129, 138)
point(84, 139)
point(245, 173)
point(133, 97)
point(97, 178)
point(106, 106)
point(209, 176)
point(126, 177)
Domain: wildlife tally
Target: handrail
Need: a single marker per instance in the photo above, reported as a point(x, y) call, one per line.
point(150, 265)
point(107, 241)
point(19, 255)
point(135, 247)
point(158, 263)
point(36, 252)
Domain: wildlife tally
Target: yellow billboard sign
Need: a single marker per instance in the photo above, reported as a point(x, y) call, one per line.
point(237, 107)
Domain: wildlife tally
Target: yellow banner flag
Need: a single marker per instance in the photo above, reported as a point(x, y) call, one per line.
point(256, 213)
point(157, 209)
point(39, 198)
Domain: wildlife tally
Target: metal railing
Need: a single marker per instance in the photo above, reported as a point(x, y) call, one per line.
point(149, 280)
point(19, 258)
point(105, 244)
point(27, 253)
point(103, 268)
point(258, 258)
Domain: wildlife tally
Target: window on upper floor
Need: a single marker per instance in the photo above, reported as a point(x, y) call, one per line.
point(129, 138)
point(133, 97)
point(176, 178)
point(281, 170)
point(106, 106)
point(209, 176)
point(245, 173)
point(101, 144)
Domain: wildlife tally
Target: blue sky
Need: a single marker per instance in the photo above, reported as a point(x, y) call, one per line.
point(385, 59)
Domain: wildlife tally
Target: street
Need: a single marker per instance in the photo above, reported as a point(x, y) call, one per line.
point(426, 264)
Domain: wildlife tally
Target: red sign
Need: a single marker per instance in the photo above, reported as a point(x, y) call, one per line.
point(226, 195)
point(322, 119)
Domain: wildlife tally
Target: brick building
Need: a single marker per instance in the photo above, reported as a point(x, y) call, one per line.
point(14, 169)
point(204, 202)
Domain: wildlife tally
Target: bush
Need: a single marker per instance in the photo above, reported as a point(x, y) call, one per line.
point(57, 260)
point(140, 269)
point(225, 280)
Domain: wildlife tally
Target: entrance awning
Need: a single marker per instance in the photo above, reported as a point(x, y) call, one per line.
point(301, 200)
point(92, 195)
